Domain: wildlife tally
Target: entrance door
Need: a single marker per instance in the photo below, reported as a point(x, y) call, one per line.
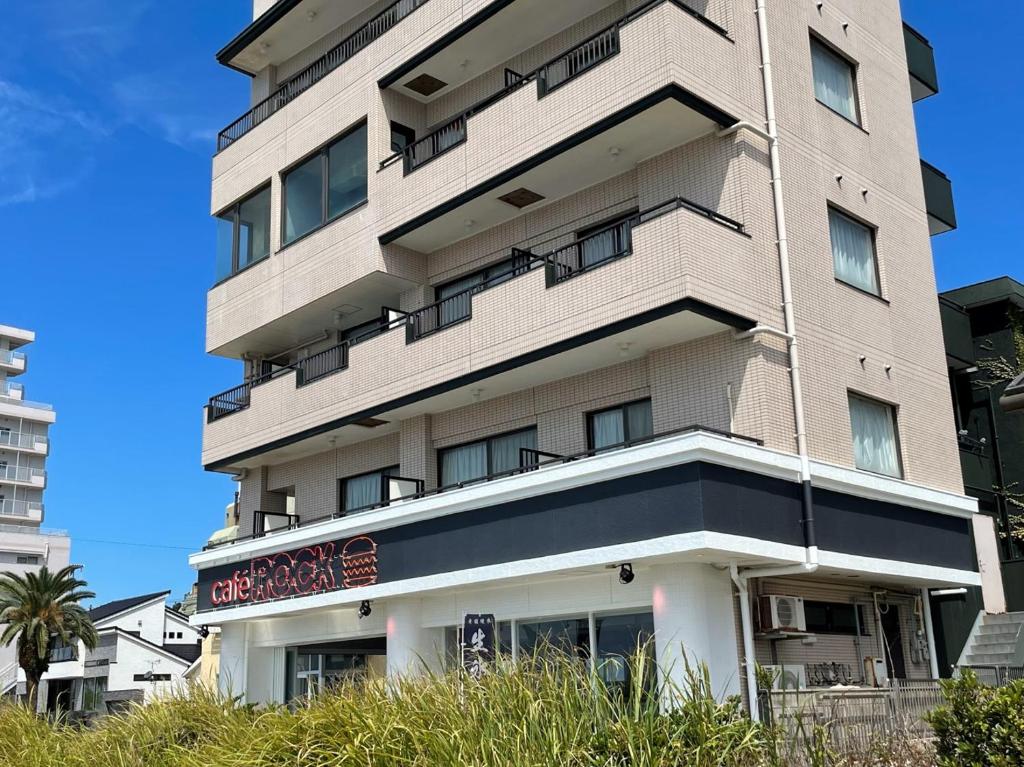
point(58, 695)
point(892, 634)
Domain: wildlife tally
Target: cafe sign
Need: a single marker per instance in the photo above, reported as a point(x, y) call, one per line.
point(317, 569)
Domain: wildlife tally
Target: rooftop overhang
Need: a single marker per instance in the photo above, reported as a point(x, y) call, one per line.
point(285, 29)
point(16, 337)
point(665, 119)
point(671, 324)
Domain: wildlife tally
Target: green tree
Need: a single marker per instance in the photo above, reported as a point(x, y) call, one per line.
point(38, 607)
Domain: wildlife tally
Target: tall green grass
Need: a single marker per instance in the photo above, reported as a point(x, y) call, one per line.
point(547, 712)
point(550, 711)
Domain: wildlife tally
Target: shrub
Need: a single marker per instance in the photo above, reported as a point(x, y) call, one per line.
point(980, 726)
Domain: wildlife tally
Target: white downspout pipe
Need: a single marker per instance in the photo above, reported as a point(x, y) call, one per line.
point(810, 565)
point(747, 629)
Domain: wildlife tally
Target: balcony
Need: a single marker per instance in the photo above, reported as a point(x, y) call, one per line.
point(22, 476)
point(21, 511)
point(924, 78)
point(608, 291)
point(12, 363)
point(28, 443)
point(291, 89)
point(563, 127)
point(938, 200)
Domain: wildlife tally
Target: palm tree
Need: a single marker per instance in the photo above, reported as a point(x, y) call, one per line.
point(40, 606)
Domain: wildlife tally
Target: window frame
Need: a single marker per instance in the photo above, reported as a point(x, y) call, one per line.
point(589, 415)
point(894, 413)
point(490, 457)
point(872, 230)
point(235, 209)
point(831, 630)
point(854, 67)
point(325, 181)
point(407, 133)
point(343, 483)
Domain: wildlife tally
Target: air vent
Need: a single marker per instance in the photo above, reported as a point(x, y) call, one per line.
point(521, 198)
point(425, 85)
point(370, 423)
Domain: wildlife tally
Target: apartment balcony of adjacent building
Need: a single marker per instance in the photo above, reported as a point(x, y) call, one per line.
point(532, 120)
point(27, 443)
point(14, 475)
point(16, 511)
point(924, 76)
point(12, 362)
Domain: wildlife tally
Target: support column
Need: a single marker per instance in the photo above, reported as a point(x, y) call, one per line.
point(234, 659)
point(412, 649)
point(416, 451)
point(694, 623)
point(929, 632)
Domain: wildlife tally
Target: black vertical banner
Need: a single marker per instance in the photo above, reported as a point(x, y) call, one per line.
point(478, 643)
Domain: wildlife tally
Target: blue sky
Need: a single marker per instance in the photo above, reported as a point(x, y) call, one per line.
point(108, 112)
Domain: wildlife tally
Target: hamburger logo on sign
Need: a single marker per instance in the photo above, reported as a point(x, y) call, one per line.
point(317, 569)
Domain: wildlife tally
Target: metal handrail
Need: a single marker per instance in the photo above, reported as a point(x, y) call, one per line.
point(552, 459)
point(21, 439)
point(20, 473)
point(428, 319)
point(259, 519)
point(580, 58)
point(318, 70)
point(8, 357)
point(12, 508)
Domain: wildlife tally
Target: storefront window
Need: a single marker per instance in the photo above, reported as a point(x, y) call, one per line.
point(619, 638)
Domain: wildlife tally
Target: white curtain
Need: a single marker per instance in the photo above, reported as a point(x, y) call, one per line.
point(833, 81)
point(608, 428)
point(853, 252)
point(505, 450)
point(874, 437)
point(464, 464)
point(362, 491)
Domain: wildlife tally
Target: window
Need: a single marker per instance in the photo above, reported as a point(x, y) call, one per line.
point(834, 618)
point(28, 559)
point(834, 81)
point(875, 446)
point(487, 457)
point(606, 240)
point(327, 185)
point(92, 693)
point(570, 635)
point(620, 424)
point(148, 677)
point(401, 136)
point(243, 234)
point(365, 490)
point(853, 252)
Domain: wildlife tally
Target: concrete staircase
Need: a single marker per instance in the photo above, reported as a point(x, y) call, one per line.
point(997, 640)
point(8, 678)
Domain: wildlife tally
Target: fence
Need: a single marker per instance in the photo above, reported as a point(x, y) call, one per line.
point(856, 718)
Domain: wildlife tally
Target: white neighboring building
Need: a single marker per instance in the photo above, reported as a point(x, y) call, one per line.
point(24, 447)
point(145, 650)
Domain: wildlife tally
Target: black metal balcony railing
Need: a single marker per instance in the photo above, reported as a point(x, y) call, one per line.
point(318, 70)
point(938, 199)
point(529, 460)
point(597, 249)
point(924, 76)
point(260, 519)
point(584, 56)
point(549, 76)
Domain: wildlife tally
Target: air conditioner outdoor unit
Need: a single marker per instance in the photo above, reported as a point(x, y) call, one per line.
point(787, 677)
point(781, 613)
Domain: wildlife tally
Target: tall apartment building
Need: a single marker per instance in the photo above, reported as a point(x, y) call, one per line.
point(24, 446)
point(614, 320)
